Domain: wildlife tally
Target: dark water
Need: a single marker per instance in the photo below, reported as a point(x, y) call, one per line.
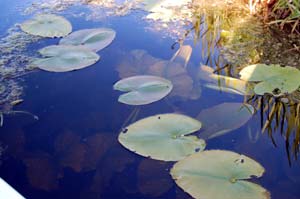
point(72, 150)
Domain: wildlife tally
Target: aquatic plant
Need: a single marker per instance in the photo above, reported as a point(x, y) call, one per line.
point(143, 89)
point(282, 116)
point(63, 58)
point(93, 39)
point(163, 137)
point(219, 174)
point(47, 25)
point(284, 13)
point(223, 118)
point(139, 62)
point(224, 83)
point(273, 79)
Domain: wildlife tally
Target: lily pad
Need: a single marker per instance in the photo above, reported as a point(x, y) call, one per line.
point(163, 137)
point(274, 79)
point(65, 58)
point(139, 62)
point(47, 25)
point(143, 89)
point(218, 174)
point(223, 118)
point(93, 39)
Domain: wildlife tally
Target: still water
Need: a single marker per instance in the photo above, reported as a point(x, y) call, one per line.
point(72, 150)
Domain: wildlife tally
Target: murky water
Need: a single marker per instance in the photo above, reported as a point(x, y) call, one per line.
point(72, 150)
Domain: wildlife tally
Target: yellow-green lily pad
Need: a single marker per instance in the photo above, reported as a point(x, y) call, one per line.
point(219, 174)
point(143, 89)
point(163, 137)
point(47, 25)
point(273, 79)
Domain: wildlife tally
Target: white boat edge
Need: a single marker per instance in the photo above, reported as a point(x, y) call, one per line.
point(7, 192)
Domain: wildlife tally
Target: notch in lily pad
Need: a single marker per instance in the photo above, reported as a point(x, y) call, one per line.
point(163, 137)
point(93, 39)
point(219, 174)
point(47, 25)
point(143, 89)
point(63, 58)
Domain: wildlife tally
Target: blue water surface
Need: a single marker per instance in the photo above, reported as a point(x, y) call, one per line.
point(72, 150)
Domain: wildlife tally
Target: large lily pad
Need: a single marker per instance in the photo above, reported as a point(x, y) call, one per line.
point(223, 118)
point(93, 39)
point(47, 25)
point(65, 58)
point(273, 79)
point(218, 174)
point(163, 137)
point(143, 89)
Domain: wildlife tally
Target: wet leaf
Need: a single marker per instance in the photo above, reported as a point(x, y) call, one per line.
point(218, 174)
point(274, 79)
point(183, 55)
point(139, 62)
point(63, 58)
point(41, 172)
point(136, 62)
point(93, 39)
point(163, 137)
point(182, 82)
point(223, 118)
point(143, 89)
point(224, 83)
point(70, 151)
point(47, 25)
point(148, 181)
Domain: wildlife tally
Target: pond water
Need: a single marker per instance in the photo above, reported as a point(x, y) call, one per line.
point(72, 149)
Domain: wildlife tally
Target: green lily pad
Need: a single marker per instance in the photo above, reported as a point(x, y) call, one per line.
point(223, 118)
point(163, 137)
point(93, 39)
point(47, 25)
point(274, 79)
point(218, 174)
point(143, 89)
point(64, 58)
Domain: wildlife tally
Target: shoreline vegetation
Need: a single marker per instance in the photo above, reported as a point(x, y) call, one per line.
point(285, 14)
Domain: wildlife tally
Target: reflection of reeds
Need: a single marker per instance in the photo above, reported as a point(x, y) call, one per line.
point(277, 115)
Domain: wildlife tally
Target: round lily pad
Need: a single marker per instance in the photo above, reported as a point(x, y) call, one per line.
point(47, 25)
point(163, 137)
point(274, 79)
point(143, 89)
point(223, 118)
point(93, 39)
point(64, 58)
point(218, 174)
